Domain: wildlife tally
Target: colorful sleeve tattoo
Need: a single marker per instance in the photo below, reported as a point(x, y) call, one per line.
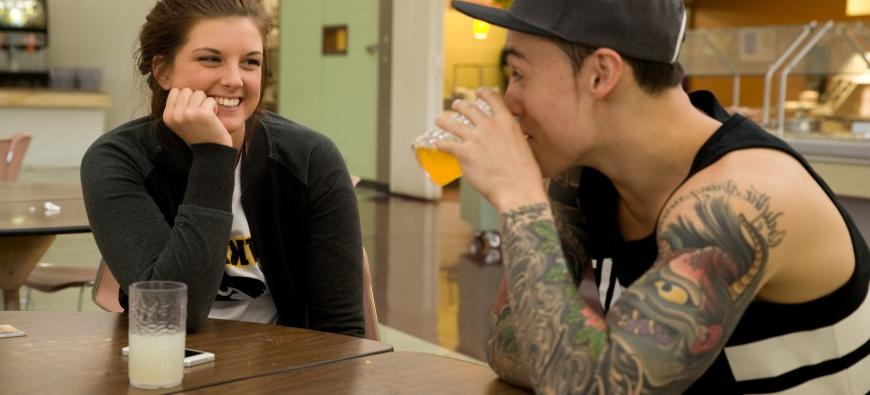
point(501, 346)
point(669, 325)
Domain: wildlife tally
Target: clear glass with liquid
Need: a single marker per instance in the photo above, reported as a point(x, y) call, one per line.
point(157, 330)
point(441, 167)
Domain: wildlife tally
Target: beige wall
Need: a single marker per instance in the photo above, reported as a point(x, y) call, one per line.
point(416, 83)
point(101, 33)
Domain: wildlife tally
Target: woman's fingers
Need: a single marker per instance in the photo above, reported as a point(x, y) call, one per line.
point(197, 99)
point(186, 104)
point(183, 100)
point(171, 99)
point(211, 105)
point(193, 116)
point(168, 110)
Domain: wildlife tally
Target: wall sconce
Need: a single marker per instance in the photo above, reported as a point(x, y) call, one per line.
point(480, 29)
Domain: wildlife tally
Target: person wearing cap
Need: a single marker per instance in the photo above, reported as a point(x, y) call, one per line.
point(678, 248)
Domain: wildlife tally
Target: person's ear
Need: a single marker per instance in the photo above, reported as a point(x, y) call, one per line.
point(606, 67)
point(161, 71)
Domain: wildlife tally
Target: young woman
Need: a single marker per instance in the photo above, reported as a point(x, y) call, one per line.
point(255, 213)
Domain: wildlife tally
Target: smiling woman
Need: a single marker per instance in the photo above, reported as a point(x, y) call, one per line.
point(255, 213)
point(217, 72)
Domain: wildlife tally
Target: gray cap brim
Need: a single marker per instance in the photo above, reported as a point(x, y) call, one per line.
point(498, 17)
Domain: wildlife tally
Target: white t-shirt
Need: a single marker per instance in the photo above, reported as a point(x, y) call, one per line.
point(243, 294)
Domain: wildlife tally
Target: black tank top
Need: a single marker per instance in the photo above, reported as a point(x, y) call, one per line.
point(820, 346)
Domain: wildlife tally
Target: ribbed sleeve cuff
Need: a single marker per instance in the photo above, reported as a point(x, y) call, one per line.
point(211, 177)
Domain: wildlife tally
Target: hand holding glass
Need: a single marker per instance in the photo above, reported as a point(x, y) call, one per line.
point(157, 328)
point(441, 167)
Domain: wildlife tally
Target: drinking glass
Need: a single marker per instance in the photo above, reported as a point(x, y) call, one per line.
point(441, 167)
point(157, 327)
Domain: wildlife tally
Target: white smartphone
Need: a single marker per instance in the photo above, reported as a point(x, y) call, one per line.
point(191, 357)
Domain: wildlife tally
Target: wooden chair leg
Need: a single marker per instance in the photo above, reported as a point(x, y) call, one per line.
point(81, 292)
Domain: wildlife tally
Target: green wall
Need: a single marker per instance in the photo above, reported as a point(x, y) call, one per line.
point(335, 95)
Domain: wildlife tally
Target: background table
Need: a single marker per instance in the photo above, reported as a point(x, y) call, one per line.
point(27, 228)
point(26, 191)
point(390, 373)
point(80, 352)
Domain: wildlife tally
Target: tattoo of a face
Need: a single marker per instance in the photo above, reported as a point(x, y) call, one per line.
point(669, 325)
point(710, 265)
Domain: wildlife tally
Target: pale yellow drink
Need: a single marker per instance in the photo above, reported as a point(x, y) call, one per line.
point(156, 361)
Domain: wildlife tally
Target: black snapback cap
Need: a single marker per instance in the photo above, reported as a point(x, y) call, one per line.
point(649, 30)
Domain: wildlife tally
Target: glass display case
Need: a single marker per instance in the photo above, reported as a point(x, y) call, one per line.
point(816, 81)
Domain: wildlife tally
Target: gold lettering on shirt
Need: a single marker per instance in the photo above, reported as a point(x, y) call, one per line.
point(240, 252)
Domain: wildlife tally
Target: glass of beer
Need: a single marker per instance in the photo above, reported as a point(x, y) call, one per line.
point(441, 167)
point(157, 329)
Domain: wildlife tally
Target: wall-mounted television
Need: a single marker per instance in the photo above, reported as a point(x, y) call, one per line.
point(23, 15)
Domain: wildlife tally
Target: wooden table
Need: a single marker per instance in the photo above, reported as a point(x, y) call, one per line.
point(80, 352)
point(390, 373)
point(28, 227)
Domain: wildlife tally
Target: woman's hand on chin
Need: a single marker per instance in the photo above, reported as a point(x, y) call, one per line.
point(193, 116)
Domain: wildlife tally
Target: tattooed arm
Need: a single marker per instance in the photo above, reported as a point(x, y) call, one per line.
point(501, 347)
point(669, 325)
point(564, 197)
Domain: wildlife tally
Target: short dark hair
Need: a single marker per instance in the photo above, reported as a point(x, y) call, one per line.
point(652, 77)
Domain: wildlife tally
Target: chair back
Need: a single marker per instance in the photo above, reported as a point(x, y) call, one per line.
point(105, 291)
point(12, 152)
point(369, 310)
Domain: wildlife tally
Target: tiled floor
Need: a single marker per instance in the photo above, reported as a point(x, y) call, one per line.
point(429, 296)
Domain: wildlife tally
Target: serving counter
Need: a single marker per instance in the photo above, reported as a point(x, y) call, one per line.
point(63, 123)
point(815, 94)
